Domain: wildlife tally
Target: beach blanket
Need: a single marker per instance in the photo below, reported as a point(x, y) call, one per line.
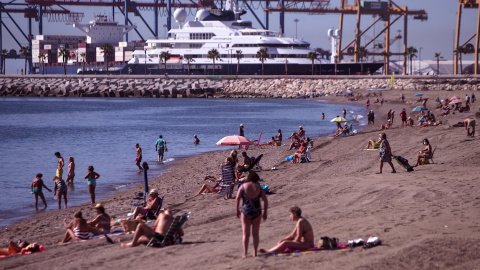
point(312, 250)
point(289, 158)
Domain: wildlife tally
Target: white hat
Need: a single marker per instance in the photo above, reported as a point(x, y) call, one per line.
point(241, 125)
point(153, 191)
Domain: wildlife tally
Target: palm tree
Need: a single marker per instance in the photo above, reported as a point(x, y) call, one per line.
point(25, 52)
point(312, 56)
point(262, 55)
point(189, 59)
point(411, 52)
point(385, 56)
point(164, 56)
point(3, 53)
point(213, 54)
point(107, 51)
point(42, 57)
point(64, 53)
point(286, 64)
point(238, 55)
point(361, 53)
point(459, 51)
point(437, 55)
point(83, 55)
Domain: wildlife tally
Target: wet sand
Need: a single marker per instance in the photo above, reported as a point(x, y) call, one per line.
point(426, 219)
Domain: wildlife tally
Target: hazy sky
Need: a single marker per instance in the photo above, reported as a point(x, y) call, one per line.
point(434, 35)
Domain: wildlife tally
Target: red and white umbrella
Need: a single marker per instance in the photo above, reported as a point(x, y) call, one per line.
point(454, 98)
point(456, 101)
point(233, 140)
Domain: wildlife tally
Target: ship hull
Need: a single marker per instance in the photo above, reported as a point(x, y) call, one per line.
point(256, 69)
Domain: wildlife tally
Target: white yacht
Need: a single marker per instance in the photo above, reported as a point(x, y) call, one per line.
point(224, 31)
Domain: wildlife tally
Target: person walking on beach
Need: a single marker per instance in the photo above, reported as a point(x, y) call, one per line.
point(160, 146)
point(36, 187)
point(139, 157)
point(59, 190)
point(301, 238)
point(92, 182)
point(71, 171)
point(197, 140)
point(60, 165)
point(469, 123)
point(385, 153)
point(251, 211)
point(403, 116)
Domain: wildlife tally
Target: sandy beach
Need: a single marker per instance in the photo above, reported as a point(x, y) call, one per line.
point(426, 219)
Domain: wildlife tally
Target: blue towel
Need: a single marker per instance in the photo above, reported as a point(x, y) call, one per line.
point(289, 158)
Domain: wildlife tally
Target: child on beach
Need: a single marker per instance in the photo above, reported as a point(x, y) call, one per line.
point(36, 187)
point(60, 186)
point(71, 171)
point(92, 182)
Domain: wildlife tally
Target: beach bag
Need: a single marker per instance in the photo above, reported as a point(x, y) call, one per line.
point(328, 242)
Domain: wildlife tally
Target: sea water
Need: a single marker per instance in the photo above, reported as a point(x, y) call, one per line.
point(103, 133)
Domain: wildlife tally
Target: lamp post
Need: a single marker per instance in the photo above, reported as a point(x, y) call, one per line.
point(296, 23)
point(145, 61)
point(419, 60)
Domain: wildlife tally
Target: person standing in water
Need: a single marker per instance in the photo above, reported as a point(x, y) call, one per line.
point(92, 182)
point(60, 165)
point(139, 157)
point(160, 146)
point(71, 171)
point(36, 187)
point(60, 190)
point(197, 140)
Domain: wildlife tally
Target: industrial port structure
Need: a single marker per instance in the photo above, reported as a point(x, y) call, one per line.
point(388, 13)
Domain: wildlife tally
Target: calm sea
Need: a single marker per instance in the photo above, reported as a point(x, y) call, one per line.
point(103, 133)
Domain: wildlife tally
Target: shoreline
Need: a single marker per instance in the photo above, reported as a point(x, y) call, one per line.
point(338, 192)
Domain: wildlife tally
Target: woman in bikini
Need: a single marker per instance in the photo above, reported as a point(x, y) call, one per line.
point(71, 172)
point(251, 211)
point(425, 153)
point(301, 238)
point(60, 189)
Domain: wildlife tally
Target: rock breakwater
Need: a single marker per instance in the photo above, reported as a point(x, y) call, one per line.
point(218, 86)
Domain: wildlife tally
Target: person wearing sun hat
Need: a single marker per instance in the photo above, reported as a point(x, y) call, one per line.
point(150, 207)
point(102, 220)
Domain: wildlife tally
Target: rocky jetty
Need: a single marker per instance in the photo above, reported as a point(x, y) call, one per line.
point(218, 86)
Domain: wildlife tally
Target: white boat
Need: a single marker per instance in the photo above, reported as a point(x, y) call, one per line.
point(224, 31)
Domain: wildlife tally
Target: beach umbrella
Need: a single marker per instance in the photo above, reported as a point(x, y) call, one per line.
point(453, 98)
point(455, 101)
point(420, 108)
point(418, 94)
point(233, 140)
point(339, 119)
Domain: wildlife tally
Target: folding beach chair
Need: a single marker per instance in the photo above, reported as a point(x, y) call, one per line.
point(253, 165)
point(424, 161)
point(150, 215)
point(227, 183)
point(172, 236)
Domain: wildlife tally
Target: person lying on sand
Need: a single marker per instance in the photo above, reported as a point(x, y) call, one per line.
point(152, 205)
point(13, 248)
point(301, 238)
point(78, 228)
point(144, 233)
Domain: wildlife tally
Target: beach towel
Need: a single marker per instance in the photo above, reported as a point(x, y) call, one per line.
point(289, 158)
point(312, 250)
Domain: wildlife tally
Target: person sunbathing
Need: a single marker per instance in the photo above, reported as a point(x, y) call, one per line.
point(151, 207)
point(78, 228)
point(425, 153)
point(301, 238)
point(299, 153)
point(144, 233)
point(20, 247)
point(102, 220)
point(246, 163)
point(373, 144)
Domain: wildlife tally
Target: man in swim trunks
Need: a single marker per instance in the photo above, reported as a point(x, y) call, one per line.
point(139, 157)
point(160, 146)
point(36, 187)
point(60, 165)
point(144, 233)
point(470, 123)
point(102, 220)
point(301, 238)
point(152, 205)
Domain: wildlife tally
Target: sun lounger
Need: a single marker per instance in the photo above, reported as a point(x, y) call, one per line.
point(171, 237)
point(227, 183)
